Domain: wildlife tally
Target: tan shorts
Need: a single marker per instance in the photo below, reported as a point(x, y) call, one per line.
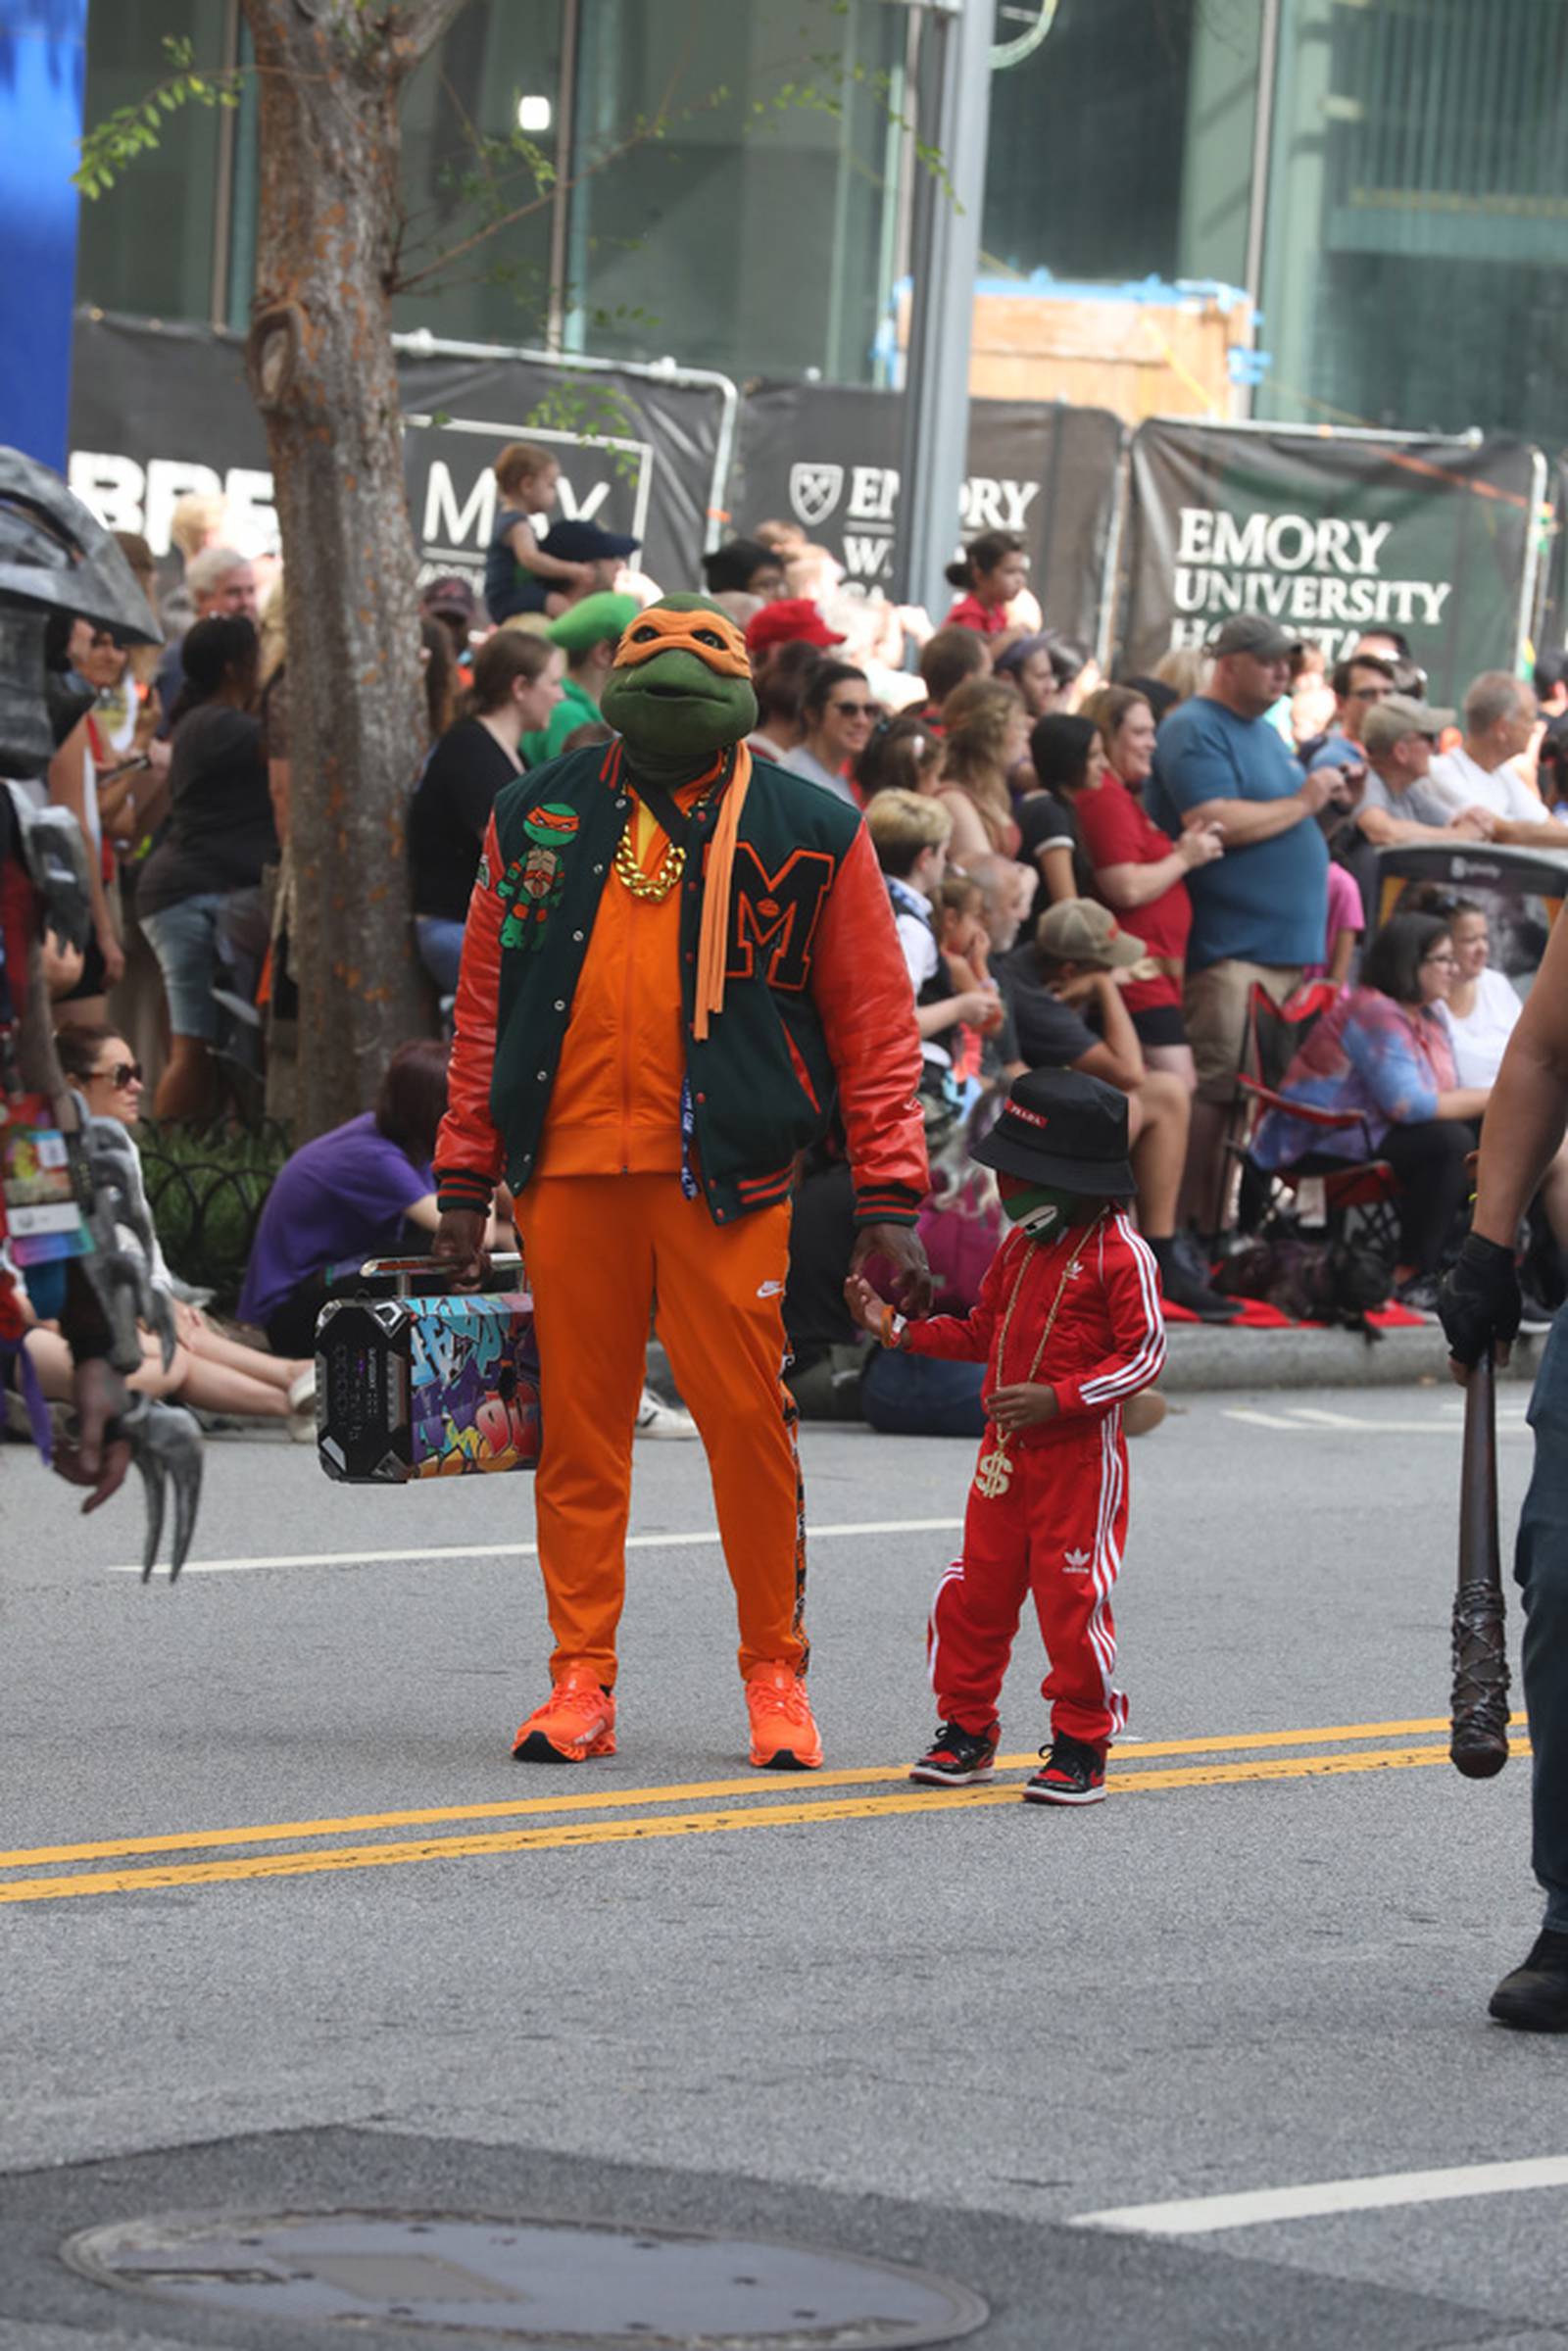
point(1216, 1003)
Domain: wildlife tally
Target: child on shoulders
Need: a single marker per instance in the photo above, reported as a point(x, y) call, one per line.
point(518, 572)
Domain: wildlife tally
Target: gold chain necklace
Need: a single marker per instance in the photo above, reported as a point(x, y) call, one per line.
point(994, 1471)
point(652, 886)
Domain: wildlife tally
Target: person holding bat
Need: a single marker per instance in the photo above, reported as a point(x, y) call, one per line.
point(1480, 1306)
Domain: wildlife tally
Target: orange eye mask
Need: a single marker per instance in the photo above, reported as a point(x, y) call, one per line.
point(713, 637)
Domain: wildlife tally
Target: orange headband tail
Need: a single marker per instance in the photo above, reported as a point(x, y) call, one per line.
point(656, 631)
point(713, 944)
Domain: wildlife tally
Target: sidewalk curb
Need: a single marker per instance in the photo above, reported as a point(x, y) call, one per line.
point(1204, 1356)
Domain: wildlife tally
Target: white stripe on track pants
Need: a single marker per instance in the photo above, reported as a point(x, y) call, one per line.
point(1056, 1532)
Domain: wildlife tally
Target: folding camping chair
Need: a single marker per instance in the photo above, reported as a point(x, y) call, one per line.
point(1360, 1193)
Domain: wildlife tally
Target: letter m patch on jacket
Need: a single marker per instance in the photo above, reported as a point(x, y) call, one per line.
point(774, 915)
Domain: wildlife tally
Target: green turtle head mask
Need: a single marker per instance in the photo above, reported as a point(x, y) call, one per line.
point(681, 686)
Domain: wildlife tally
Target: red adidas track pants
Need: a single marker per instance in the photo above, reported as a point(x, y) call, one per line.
point(1056, 1532)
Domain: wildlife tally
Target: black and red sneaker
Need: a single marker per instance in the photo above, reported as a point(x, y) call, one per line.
point(958, 1758)
point(1071, 1772)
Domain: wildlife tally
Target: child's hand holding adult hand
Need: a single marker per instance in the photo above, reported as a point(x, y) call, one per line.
point(869, 1310)
point(1022, 1406)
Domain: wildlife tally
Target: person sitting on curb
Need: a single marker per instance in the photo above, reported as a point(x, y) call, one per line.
point(1074, 972)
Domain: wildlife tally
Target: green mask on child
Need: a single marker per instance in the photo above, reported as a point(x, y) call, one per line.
point(1040, 1209)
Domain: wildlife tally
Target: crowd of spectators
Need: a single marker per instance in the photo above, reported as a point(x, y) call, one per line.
point(1100, 875)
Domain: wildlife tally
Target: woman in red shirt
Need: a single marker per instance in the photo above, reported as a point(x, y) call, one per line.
point(1126, 722)
point(992, 571)
point(1140, 874)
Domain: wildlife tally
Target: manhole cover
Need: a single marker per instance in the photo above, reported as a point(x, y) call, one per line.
point(559, 2282)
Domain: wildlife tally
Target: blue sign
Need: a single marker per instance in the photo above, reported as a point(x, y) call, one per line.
point(42, 72)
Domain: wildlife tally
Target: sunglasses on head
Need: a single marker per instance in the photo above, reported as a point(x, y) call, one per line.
point(120, 1073)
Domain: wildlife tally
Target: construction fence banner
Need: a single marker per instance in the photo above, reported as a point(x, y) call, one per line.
point(826, 457)
point(1334, 533)
point(158, 412)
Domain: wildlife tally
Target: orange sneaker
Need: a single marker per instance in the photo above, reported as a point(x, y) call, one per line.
point(784, 1737)
point(578, 1720)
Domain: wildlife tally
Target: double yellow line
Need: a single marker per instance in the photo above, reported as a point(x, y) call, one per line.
point(1347, 1747)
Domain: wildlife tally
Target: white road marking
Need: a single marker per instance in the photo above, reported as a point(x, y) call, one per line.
point(1201, 2216)
point(527, 1551)
point(1307, 1420)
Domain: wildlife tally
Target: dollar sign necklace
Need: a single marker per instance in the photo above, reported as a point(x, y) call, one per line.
point(994, 1470)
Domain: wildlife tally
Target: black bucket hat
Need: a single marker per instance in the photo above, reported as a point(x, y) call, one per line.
point(1063, 1129)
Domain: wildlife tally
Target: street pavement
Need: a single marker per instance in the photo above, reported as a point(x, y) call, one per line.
point(283, 1925)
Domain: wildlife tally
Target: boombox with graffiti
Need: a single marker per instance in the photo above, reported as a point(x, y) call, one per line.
point(414, 1385)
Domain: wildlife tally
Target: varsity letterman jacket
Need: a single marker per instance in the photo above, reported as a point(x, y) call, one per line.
point(817, 1014)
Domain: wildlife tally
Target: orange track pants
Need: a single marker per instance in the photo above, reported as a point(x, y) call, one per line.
point(599, 1253)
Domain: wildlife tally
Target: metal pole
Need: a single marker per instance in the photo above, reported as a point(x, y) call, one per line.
point(565, 168)
point(1263, 161)
point(223, 177)
point(954, 113)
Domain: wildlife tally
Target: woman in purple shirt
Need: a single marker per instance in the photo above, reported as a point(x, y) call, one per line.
point(1381, 1052)
point(364, 1190)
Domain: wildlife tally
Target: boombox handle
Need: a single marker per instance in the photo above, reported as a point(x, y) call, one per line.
point(402, 1271)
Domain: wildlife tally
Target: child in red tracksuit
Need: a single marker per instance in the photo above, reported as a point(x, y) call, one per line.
point(1069, 1326)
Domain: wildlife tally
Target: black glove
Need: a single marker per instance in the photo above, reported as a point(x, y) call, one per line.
point(1479, 1300)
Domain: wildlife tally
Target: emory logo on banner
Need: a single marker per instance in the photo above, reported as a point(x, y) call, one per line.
point(1332, 537)
point(814, 491)
point(1048, 473)
point(818, 491)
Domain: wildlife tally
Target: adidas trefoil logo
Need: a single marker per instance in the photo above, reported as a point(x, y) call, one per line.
point(1076, 1563)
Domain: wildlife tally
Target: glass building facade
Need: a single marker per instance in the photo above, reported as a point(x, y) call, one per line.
point(1388, 178)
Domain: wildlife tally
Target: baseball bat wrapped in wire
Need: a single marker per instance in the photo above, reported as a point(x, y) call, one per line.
point(1478, 1740)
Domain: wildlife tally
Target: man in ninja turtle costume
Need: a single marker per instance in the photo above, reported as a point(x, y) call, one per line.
point(678, 964)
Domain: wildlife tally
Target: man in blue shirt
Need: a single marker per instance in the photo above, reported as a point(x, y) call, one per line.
point(1261, 911)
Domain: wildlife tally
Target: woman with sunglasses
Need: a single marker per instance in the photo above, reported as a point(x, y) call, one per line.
point(213, 1372)
point(837, 714)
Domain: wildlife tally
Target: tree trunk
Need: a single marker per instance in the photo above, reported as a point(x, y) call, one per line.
point(330, 75)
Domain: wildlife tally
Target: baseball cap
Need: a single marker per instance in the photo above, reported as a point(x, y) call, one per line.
point(789, 620)
point(1396, 715)
point(1254, 633)
point(1080, 930)
point(451, 593)
point(593, 620)
point(585, 543)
